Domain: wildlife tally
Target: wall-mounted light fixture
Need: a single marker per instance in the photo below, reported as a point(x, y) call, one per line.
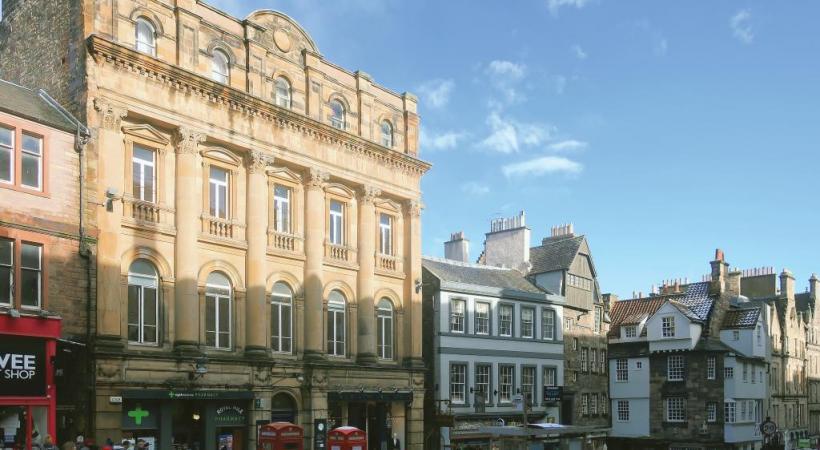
point(200, 368)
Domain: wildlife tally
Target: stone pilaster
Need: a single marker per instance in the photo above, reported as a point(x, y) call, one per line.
point(314, 258)
point(187, 203)
point(367, 265)
point(255, 263)
point(412, 290)
point(111, 150)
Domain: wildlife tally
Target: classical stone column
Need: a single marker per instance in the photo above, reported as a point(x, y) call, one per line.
point(186, 262)
point(367, 266)
point(412, 284)
point(314, 258)
point(110, 147)
point(255, 258)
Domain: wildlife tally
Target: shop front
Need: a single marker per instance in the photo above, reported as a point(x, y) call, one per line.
point(28, 396)
point(187, 419)
point(379, 414)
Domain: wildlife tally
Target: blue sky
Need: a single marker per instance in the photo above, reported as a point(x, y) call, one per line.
point(662, 130)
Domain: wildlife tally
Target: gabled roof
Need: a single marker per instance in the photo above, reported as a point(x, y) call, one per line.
point(479, 275)
point(628, 312)
point(695, 303)
point(32, 105)
point(740, 318)
point(555, 254)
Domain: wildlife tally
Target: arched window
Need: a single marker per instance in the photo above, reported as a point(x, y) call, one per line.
point(387, 134)
point(336, 303)
point(337, 114)
point(146, 37)
point(283, 408)
point(220, 67)
point(282, 93)
point(218, 311)
point(384, 329)
point(281, 318)
point(143, 303)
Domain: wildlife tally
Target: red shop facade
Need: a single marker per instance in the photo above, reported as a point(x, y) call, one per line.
point(28, 395)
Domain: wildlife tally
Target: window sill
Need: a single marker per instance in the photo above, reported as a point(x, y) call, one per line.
point(25, 190)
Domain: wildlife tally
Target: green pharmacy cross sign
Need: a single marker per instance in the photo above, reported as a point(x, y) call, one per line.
point(138, 414)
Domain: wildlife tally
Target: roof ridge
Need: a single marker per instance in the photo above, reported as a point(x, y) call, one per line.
point(467, 264)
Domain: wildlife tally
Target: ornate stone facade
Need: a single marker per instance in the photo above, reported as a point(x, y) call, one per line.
point(221, 193)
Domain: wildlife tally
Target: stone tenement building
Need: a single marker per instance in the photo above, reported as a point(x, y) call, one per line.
point(688, 366)
point(258, 215)
point(45, 270)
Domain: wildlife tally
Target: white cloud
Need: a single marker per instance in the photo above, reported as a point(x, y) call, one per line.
point(579, 52)
point(741, 26)
point(475, 188)
point(555, 5)
point(542, 166)
point(509, 69)
point(436, 93)
point(568, 145)
point(440, 141)
point(509, 136)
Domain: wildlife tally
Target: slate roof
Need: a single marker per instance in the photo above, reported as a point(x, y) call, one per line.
point(479, 275)
point(24, 102)
point(803, 301)
point(556, 254)
point(740, 318)
point(695, 303)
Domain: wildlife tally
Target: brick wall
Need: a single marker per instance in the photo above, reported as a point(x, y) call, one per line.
point(41, 46)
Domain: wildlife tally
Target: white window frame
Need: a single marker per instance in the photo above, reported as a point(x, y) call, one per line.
point(623, 410)
point(675, 367)
point(220, 67)
point(506, 372)
point(598, 320)
point(387, 133)
point(675, 409)
point(214, 189)
point(458, 383)
point(385, 329)
point(505, 323)
point(483, 381)
point(482, 319)
point(385, 234)
point(281, 302)
point(282, 208)
point(336, 308)
point(548, 324)
point(24, 152)
point(337, 223)
point(584, 357)
point(458, 311)
point(282, 92)
point(728, 373)
point(729, 412)
point(10, 148)
point(550, 376)
point(140, 165)
point(630, 331)
point(622, 370)
point(143, 282)
point(528, 326)
point(711, 412)
point(668, 326)
point(584, 404)
point(219, 294)
point(338, 116)
point(529, 376)
point(711, 367)
point(147, 47)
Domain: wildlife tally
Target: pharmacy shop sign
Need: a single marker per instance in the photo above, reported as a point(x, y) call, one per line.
point(22, 367)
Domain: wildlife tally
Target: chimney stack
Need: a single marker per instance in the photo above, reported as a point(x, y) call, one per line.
point(457, 248)
point(508, 243)
point(814, 286)
point(787, 284)
point(719, 266)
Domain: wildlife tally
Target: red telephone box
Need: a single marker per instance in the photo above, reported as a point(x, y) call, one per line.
point(347, 438)
point(280, 436)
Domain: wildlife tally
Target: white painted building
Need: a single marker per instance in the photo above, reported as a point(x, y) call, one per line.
point(491, 339)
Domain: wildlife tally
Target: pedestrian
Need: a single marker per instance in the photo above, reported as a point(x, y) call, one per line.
point(48, 443)
point(126, 444)
point(396, 444)
point(69, 445)
point(109, 444)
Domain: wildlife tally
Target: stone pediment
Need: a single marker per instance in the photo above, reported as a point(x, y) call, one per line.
point(147, 132)
point(280, 33)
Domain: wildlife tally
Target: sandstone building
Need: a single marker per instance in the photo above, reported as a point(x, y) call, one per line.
point(45, 269)
point(258, 221)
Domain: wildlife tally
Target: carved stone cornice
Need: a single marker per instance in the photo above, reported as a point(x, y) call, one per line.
point(111, 114)
point(165, 75)
point(413, 208)
point(257, 162)
point(368, 194)
point(316, 178)
point(187, 140)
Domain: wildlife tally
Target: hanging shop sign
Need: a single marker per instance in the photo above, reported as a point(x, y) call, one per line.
point(22, 367)
point(552, 393)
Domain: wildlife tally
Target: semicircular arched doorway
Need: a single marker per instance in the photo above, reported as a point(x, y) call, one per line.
point(283, 408)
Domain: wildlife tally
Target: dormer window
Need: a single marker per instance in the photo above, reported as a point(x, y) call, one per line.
point(220, 67)
point(668, 326)
point(146, 41)
point(630, 331)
